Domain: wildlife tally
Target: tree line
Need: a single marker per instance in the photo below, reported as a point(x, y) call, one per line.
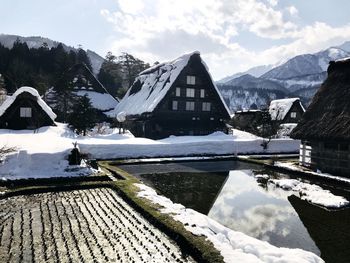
point(46, 67)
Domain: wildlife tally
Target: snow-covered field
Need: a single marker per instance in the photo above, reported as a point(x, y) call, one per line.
point(234, 246)
point(44, 153)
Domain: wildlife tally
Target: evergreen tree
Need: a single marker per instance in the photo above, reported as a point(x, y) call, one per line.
point(83, 115)
point(110, 76)
point(131, 67)
point(83, 58)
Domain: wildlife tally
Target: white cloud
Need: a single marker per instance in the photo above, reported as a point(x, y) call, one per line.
point(131, 7)
point(162, 30)
point(273, 2)
point(292, 10)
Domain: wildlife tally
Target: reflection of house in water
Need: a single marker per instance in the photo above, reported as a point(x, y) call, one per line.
point(329, 229)
point(193, 190)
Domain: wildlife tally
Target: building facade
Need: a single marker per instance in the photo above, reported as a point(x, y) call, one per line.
point(174, 98)
point(25, 110)
point(286, 110)
point(325, 126)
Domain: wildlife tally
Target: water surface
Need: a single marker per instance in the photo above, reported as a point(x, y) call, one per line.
point(228, 192)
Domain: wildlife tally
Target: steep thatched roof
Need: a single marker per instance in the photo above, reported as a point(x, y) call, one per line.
point(152, 85)
point(280, 108)
point(328, 116)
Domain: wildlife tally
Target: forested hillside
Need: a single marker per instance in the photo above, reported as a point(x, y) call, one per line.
point(44, 67)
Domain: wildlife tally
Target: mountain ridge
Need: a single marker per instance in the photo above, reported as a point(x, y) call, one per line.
point(299, 76)
point(8, 40)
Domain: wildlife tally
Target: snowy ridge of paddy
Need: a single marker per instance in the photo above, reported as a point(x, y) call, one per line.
point(234, 246)
point(312, 193)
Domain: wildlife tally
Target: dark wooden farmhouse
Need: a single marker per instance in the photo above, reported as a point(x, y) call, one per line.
point(286, 110)
point(174, 98)
point(325, 127)
point(25, 110)
point(83, 82)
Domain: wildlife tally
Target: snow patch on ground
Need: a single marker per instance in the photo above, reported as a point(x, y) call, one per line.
point(214, 144)
point(234, 246)
point(41, 153)
point(285, 130)
point(295, 167)
point(311, 193)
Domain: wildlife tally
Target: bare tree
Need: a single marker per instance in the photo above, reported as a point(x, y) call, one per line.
point(269, 126)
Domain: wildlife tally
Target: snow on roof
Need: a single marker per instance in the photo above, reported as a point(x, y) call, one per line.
point(279, 108)
point(100, 101)
point(342, 59)
point(152, 84)
point(8, 102)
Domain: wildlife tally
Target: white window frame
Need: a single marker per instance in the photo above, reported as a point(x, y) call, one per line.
point(25, 112)
point(190, 92)
point(191, 80)
point(293, 115)
point(202, 93)
point(206, 106)
point(190, 105)
point(175, 105)
point(178, 92)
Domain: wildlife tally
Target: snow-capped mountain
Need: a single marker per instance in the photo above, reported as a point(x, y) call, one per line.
point(238, 98)
point(250, 82)
point(255, 72)
point(32, 42)
point(307, 64)
point(37, 42)
point(300, 76)
point(345, 46)
point(96, 61)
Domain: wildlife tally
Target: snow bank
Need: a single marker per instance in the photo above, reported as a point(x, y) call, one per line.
point(43, 149)
point(285, 129)
point(312, 193)
point(40, 154)
point(234, 246)
point(41, 165)
point(294, 167)
point(214, 144)
point(8, 102)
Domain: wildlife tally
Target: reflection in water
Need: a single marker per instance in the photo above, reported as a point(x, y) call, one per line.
point(194, 190)
point(329, 229)
point(239, 202)
point(263, 213)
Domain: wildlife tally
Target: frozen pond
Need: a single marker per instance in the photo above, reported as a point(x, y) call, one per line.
point(228, 192)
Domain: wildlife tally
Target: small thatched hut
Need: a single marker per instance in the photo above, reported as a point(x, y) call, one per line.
point(25, 110)
point(286, 110)
point(325, 127)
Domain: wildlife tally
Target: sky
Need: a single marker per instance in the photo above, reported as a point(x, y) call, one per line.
point(232, 35)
